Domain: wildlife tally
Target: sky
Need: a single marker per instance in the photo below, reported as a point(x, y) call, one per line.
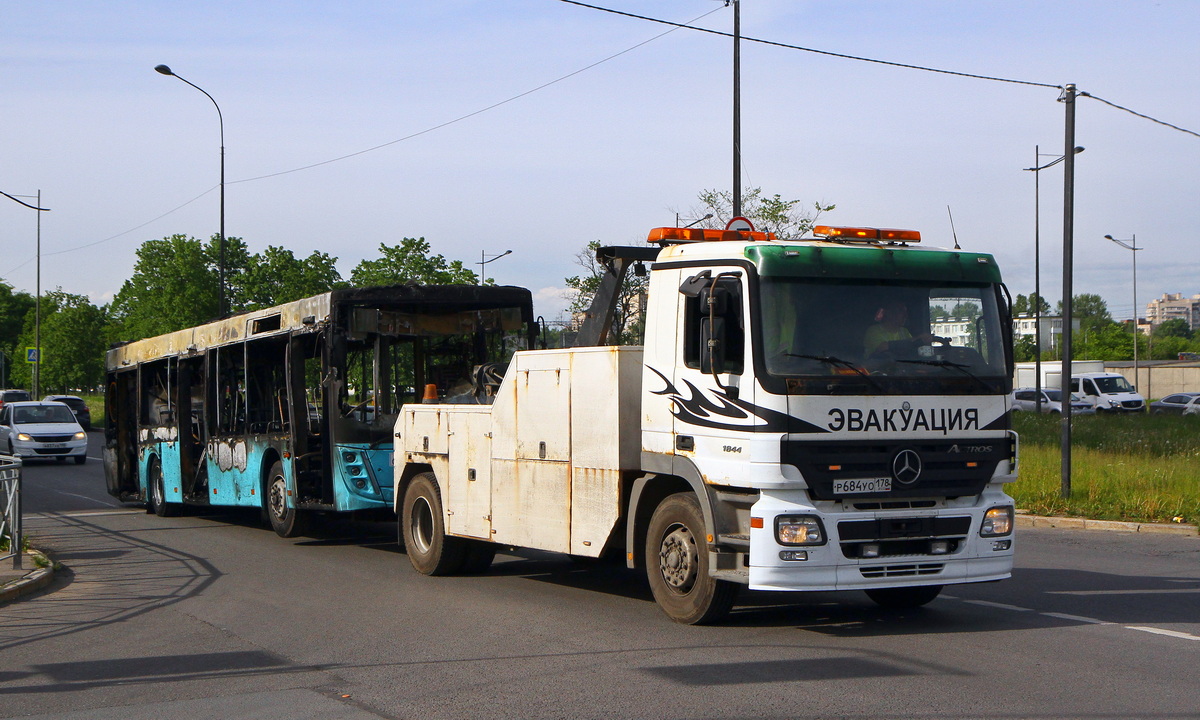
point(537, 126)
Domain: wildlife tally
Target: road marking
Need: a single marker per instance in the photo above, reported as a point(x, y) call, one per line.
point(1156, 591)
point(1076, 618)
point(1000, 606)
point(85, 497)
point(1168, 633)
point(86, 513)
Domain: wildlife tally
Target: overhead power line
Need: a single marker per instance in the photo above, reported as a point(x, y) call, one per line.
point(1138, 114)
point(746, 38)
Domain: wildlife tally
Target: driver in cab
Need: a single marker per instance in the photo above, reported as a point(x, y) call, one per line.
point(889, 334)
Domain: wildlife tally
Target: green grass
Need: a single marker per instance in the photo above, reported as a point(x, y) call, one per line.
point(1123, 467)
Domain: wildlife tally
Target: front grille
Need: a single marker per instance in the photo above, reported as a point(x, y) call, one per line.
point(893, 571)
point(52, 451)
point(895, 505)
point(1131, 404)
point(950, 468)
point(54, 438)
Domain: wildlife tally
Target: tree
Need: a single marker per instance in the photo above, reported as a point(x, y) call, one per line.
point(175, 285)
point(275, 276)
point(1175, 327)
point(1030, 305)
point(410, 262)
point(773, 214)
point(629, 322)
point(14, 306)
point(1091, 311)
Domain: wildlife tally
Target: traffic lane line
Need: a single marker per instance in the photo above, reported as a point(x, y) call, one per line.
point(1076, 618)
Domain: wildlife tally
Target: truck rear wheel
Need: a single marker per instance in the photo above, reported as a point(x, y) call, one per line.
point(677, 564)
point(430, 551)
point(904, 598)
point(287, 522)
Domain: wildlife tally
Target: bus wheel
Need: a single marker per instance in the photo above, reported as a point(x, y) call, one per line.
point(430, 551)
point(287, 522)
point(158, 495)
point(677, 564)
point(904, 598)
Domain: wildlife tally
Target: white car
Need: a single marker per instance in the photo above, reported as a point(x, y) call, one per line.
point(42, 430)
point(1026, 399)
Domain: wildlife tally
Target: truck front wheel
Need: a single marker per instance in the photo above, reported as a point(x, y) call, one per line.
point(430, 551)
point(677, 564)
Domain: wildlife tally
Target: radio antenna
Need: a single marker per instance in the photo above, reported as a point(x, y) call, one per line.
point(952, 232)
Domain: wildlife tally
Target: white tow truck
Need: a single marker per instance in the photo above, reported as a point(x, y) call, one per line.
point(762, 437)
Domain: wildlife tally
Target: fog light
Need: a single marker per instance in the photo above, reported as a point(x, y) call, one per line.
point(360, 483)
point(868, 551)
point(355, 470)
point(348, 457)
point(793, 554)
point(1001, 544)
point(939, 547)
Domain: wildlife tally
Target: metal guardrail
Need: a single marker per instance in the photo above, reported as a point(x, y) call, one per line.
point(10, 504)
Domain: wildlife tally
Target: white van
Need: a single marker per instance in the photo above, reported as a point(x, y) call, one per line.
point(1107, 392)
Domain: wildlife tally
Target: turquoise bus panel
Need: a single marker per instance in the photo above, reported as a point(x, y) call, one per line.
point(167, 453)
point(362, 476)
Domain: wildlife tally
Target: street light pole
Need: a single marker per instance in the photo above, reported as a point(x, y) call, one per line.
point(38, 301)
point(484, 260)
point(1132, 246)
point(222, 307)
point(1068, 98)
point(1037, 259)
point(737, 108)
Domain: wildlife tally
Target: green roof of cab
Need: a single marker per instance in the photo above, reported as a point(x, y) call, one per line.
point(872, 262)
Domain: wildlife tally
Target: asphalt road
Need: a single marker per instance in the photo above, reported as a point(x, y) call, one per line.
point(210, 615)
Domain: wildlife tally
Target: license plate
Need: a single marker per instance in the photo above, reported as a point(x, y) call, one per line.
point(861, 485)
point(54, 445)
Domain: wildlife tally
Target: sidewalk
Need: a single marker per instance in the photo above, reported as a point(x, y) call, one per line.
point(30, 578)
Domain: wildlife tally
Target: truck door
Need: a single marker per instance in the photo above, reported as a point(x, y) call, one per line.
point(713, 388)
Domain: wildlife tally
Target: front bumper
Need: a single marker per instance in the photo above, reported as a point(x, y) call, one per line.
point(905, 545)
point(33, 449)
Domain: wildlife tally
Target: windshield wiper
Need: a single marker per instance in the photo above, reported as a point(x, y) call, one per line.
point(957, 366)
point(838, 362)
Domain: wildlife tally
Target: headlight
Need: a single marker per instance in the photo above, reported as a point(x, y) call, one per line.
point(799, 530)
point(23, 436)
point(997, 521)
point(81, 435)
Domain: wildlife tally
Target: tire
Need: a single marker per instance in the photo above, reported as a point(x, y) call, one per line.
point(158, 496)
point(677, 564)
point(430, 551)
point(287, 522)
point(80, 459)
point(904, 598)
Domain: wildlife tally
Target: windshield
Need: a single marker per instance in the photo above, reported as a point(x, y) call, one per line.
point(871, 337)
point(1054, 395)
point(1113, 385)
point(30, 414)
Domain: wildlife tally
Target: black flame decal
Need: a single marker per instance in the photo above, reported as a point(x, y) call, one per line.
point(716, 409)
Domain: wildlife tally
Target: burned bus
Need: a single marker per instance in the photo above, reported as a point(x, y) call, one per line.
point(290, 409)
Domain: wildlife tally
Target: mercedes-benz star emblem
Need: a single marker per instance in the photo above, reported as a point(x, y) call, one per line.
point(906, 467)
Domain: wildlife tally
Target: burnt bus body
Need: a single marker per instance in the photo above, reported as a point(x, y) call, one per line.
point(291, 408)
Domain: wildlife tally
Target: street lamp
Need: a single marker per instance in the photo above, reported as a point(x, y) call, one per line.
point(1132, 246)
point(484, 260)
point(221, 237)
point(1037, 259)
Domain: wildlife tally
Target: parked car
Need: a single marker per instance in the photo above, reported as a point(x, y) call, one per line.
point(1107, 392)
point(31, 429)
point(82, 412)
point(1187, 403)
point(7, 396)
point(1025, 399)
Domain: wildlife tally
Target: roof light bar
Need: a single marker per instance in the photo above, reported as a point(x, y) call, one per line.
point(690, 235)
point(867, 234)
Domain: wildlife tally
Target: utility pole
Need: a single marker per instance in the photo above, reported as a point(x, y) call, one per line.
point(737, 107)
point(1068, 97)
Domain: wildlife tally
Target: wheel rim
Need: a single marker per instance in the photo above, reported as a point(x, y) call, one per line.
point(156, 486)
point(421, 517)
point(678, 559)
point(277, 497)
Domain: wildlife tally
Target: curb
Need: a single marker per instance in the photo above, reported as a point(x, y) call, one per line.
point(1074, 523)
point(32, 581)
